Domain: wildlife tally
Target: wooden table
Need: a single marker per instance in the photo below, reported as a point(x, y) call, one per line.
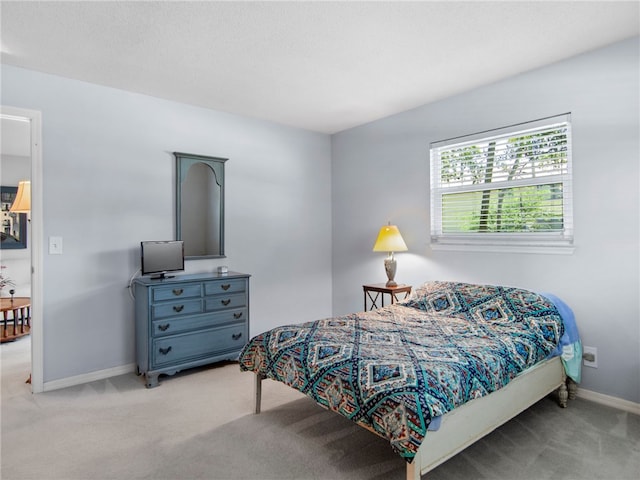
point(20, 308)
point(380, 289)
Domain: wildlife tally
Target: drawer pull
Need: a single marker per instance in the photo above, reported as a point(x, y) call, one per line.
point(226, 302)
point(226, 286)
point(178, 308)
point(235, 336)
point(237, 315)
point(163, 328)
point(178, 291)
point(164, 351)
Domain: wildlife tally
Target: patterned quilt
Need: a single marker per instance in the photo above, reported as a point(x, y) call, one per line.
point(392, 370)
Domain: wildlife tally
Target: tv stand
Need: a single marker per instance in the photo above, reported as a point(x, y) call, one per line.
point(188, 321)
point(162, 276)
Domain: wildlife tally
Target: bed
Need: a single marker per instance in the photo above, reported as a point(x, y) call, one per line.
point(433, 373)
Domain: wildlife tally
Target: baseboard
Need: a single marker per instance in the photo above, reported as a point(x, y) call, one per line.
point(610, 401)
point(89, 377)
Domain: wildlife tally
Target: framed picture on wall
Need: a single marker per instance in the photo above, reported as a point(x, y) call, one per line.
point(13, 231)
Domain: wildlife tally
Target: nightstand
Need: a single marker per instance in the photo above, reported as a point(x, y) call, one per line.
point(375, 292)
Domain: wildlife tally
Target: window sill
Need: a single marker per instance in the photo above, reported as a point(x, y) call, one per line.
point(555, 249)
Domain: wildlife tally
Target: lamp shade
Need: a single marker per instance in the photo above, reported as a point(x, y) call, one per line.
point(22, 203)
point(390, 240)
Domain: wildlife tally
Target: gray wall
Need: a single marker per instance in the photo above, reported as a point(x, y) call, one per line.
point(381, 172)
point(108, 184)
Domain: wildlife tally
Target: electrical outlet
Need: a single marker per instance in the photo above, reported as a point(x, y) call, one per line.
point(590, 357)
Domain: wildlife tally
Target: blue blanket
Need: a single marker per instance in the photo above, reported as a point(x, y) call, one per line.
point(570, 347)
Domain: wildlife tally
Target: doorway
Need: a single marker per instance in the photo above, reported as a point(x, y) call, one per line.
point(22, 134)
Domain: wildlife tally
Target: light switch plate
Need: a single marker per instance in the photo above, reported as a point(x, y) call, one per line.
point(55, 245)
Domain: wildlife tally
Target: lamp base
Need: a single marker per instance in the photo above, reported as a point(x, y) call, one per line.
point(390, 268)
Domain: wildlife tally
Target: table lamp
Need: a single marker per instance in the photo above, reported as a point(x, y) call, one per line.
point(389, 240)
point(22, 202)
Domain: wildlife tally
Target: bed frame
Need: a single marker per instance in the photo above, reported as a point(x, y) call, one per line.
point(470, 422)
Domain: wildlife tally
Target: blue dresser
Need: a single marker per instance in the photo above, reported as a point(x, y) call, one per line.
point(189, 320)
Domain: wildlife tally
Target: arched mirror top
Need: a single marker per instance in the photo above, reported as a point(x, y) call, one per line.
point(200, 205)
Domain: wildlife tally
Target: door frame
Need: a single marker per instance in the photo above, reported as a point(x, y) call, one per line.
point(34, 117)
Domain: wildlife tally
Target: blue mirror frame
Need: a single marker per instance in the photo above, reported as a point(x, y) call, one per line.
point(214, 200)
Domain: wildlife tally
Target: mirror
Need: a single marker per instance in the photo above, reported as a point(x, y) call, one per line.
point(200, 205)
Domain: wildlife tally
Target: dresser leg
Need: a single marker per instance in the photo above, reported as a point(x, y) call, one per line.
point(151, 379)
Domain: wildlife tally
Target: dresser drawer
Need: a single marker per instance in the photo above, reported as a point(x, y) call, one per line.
point(230, 286)
point(170, 292)
point(191, 346)
point(171, 326)
point(220, 302)
point(173, 309)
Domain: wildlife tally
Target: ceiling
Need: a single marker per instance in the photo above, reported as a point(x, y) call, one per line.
point(321, 66)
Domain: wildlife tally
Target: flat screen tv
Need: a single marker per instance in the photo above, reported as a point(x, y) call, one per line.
point(161, 257)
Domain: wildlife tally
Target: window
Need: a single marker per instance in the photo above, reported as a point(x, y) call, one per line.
point(504, 188)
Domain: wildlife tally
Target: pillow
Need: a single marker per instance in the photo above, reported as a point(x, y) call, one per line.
point(435, 297)
point(484, 302)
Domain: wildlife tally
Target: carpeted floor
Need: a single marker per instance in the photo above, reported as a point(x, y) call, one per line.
point(198, 425)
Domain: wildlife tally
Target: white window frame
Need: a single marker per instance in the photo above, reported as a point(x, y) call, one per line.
point(560, 242)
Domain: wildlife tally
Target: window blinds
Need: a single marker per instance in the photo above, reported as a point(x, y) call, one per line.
point(508, 185)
